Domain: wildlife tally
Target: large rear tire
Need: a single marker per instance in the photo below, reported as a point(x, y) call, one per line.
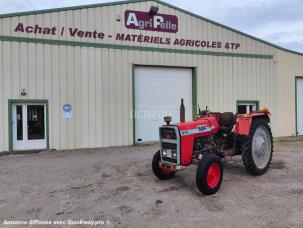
point(158, 171)
point(209, 174)
point(257, 148)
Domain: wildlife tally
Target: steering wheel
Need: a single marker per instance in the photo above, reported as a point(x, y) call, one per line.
point(204, 112)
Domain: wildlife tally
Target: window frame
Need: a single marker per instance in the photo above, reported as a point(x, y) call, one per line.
point(248, 102)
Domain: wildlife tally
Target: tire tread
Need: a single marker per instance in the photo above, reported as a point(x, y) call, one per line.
point(246, 148)
point(157, 170)
point(201, 174)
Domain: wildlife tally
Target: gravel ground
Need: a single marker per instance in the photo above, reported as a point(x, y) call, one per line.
point(117, 184)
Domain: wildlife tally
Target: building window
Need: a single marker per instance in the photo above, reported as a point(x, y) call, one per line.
point(245, 107)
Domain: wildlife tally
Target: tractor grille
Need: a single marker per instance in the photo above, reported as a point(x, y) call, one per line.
point(170, 160)
point(170, 146)
point(168, 133)
point(170, 143)
point(169, 149)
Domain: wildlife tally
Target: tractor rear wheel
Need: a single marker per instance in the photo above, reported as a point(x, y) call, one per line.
point(209, 174)
point(257, 148)
point(159, 172)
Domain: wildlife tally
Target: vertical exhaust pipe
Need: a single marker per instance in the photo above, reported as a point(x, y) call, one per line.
point(182, 111)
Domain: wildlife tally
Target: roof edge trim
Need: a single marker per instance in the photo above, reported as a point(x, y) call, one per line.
point(54, 10)
point(229, 28)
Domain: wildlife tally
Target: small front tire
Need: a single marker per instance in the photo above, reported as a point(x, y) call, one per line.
point(209, 174)
point(158, 171)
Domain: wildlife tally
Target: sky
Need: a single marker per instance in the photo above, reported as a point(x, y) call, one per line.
point(277, 21)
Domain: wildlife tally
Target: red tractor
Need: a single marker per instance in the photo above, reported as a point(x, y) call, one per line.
point(209, 139)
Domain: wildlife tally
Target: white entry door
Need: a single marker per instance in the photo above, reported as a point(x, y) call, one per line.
point(158, 93)
point(299, 106)
point(29, 127)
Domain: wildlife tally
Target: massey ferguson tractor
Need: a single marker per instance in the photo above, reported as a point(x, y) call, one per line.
point(211, 137)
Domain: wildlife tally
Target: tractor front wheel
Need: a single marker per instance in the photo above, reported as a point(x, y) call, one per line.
point(257, 148)
point(209, 174)
point(159, 172)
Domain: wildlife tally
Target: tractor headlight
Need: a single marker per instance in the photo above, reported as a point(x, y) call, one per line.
point(164, 153)
point(174, 154)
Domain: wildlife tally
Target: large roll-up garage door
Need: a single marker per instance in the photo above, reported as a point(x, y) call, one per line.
point(158, 93)
point(299, 106)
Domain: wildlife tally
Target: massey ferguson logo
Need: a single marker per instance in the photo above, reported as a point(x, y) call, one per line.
point(146, 21)
point(202, 128)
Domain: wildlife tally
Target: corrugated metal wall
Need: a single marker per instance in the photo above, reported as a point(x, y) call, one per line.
point(98, 81)
point(99, 86)
point(289, 67)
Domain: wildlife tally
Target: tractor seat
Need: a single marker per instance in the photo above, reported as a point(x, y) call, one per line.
point(226, 122)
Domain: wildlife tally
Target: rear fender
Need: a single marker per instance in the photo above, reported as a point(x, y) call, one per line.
point(243, 122)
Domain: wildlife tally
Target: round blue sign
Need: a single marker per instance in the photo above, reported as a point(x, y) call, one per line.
point(67, 108)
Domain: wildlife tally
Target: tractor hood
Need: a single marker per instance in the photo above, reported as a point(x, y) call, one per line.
point(198, 127)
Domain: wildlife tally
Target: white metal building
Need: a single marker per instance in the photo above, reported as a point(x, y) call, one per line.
point(72, 77)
